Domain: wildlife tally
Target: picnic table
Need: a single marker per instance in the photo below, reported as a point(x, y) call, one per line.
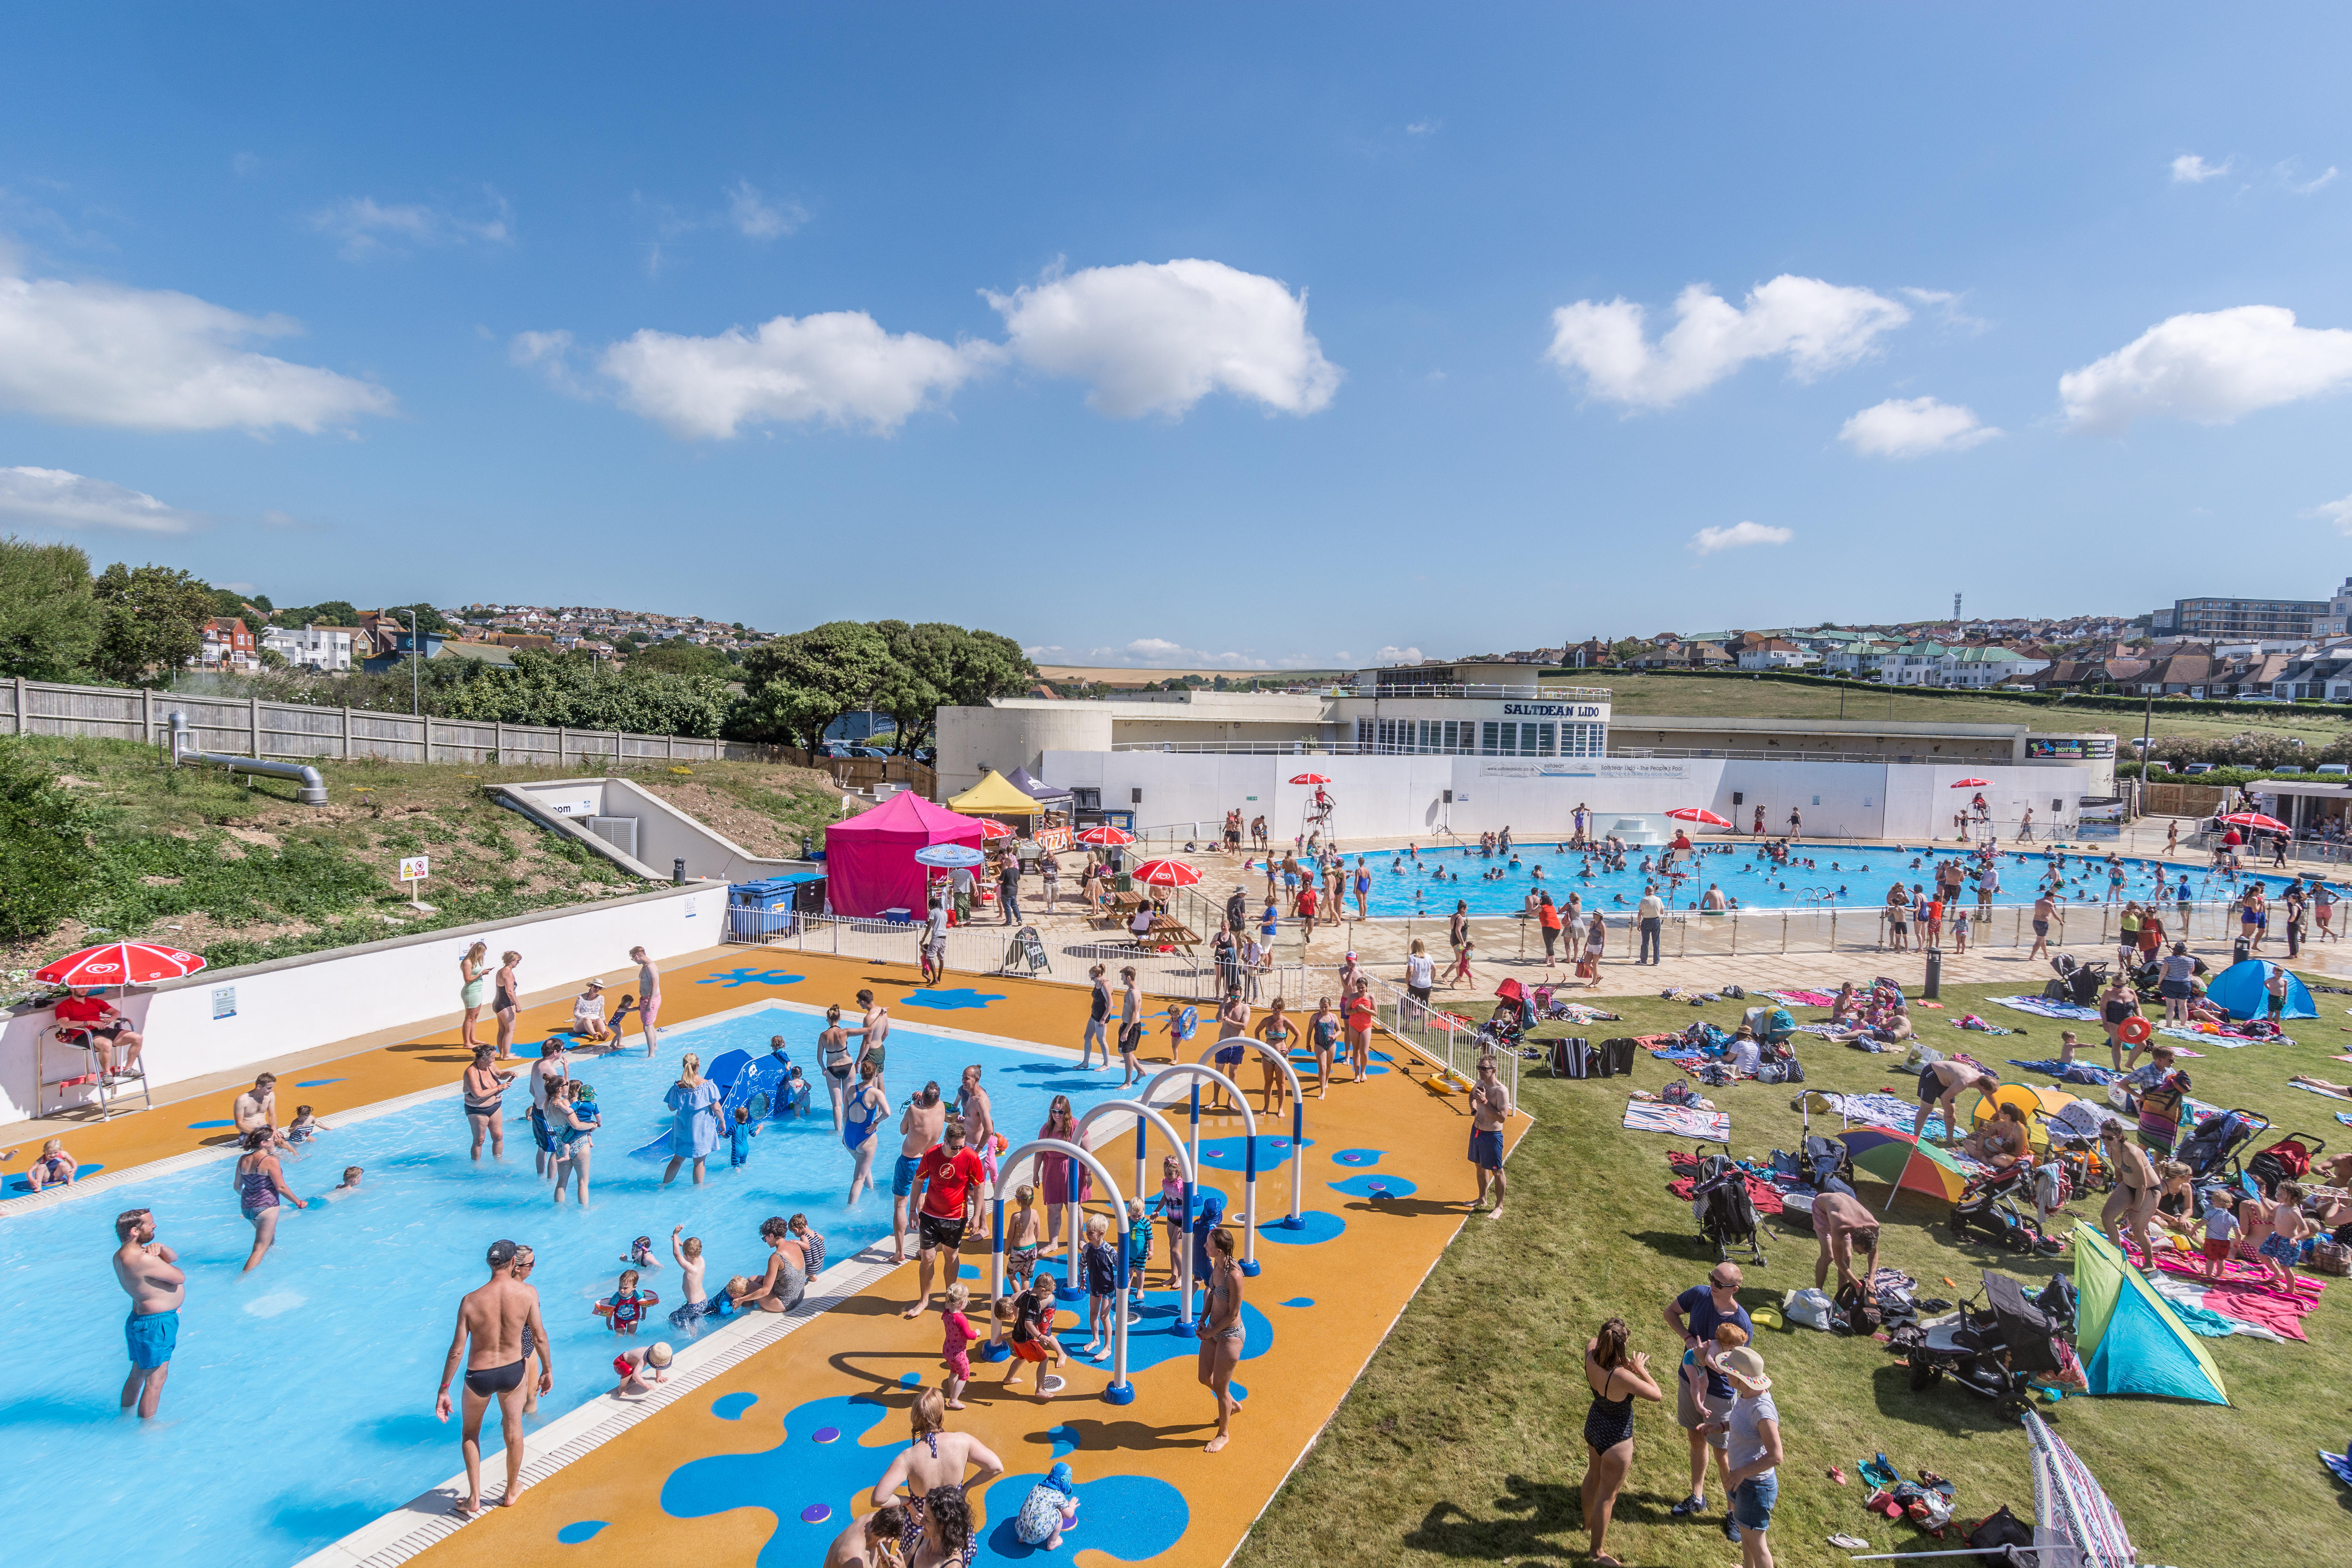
point(1167, 933)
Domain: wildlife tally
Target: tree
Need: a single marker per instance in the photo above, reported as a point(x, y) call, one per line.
point(151, 621)
point(49, 621)
point(683, 657)
point(945, 666)
point(572, 689)
point(325, 612)
point(229, 602)
point(428, 619)
point(795, 686)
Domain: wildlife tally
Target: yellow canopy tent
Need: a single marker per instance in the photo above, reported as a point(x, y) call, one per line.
point(991, 796)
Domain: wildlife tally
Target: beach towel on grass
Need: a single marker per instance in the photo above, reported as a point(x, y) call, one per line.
point(2187, 1302)
point(2052, 1066)
point(2343, 1118)
point(1880, 1109)
point(2309, 1088)
point(2339, 1464)
point(2041, 1008)
point(1682, 1120)
point(1761, 1192)
point(1803, 998)
point(2226, 1040)
point(2245, 1291)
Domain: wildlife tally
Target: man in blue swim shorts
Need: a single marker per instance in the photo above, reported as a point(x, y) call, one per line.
point(1490, 1107)
point(148, 1272)
point(921, 1125)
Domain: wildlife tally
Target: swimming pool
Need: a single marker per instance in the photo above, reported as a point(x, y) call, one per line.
point(300, 1400)
point(1405, 885)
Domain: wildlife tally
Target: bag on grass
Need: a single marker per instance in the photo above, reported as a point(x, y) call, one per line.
point(1997, 1531)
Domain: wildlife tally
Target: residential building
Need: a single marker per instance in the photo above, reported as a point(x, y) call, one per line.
point(2209, 618)
point(1913, 664)
point(1775, 653)
point(229, 644)
point(2338, 619)
point(1977, 668)
point(326, 649)
point(1857, 660)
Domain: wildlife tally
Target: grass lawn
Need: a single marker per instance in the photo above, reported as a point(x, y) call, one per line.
point(1464, 1440)
point(1674, 696)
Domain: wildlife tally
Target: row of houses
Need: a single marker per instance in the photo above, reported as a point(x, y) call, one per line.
point(379, 641)
point(2310, 671)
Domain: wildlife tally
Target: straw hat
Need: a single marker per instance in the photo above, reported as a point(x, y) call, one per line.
point(1745, 1365)
point(659, 1354)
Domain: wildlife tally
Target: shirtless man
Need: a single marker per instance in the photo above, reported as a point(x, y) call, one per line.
point(919, 1128)
point(875, 1032)
point(978, 1118)
point(648, 996)
point(1940, 1084)
point(1843, 1223)
point(935, 1457)
point(146, 1270)
point(83, 1011)
point(256, 1108)
point(1490, 1107)
point(862, 1544)
point(494, 1316)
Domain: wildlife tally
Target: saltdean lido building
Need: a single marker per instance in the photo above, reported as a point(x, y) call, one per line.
point(1460, 749)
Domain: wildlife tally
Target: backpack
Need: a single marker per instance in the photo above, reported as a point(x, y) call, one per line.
point(1854, 1310)
point(1995, 1533)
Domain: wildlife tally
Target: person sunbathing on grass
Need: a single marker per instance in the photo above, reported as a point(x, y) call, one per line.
point(2323, 1086)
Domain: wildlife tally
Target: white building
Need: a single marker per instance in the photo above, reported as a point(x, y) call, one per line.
point(1776, 654)
point(1977, 668)
point(311, 648)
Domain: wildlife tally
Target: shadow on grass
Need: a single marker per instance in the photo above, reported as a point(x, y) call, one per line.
point(1947, 1404)
point(1685, 1244)
point(1533, 1513)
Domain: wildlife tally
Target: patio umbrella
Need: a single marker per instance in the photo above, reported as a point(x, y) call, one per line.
point(1973, 783)
point(990, 829)
point(121, 964)
point(950, 856)
point(1904, 1163)
point(1166, 874)
point(2255, 819)
point(1309, 779)
point(1106, 837)
point(1699, 815)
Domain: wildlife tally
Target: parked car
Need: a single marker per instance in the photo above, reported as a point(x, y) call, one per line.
point(2333, 770)
point(2285, 772)
point(2197, 768)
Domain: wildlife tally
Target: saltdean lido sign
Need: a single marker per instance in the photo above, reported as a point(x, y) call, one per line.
point(1587, 710)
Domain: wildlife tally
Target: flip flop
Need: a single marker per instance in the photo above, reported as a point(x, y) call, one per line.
point(1851, 1543)
point(1837, 1475)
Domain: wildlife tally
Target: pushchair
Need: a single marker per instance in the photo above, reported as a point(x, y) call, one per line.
point(1986, 1207)
point(1826, 1166)
point(2212, 1151)
point(2288, 1159)
point(1992, 1350)
point(2077, 984)
point(1725, 1215)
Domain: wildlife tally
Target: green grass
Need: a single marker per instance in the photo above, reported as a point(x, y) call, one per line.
point(1678, 695)
point(1462, 1441)
point(241, 873)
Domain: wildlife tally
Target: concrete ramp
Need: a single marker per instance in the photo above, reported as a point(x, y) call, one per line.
point(637, 830)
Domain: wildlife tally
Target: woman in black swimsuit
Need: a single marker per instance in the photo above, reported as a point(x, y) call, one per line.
point(1617, 1379)
point(485, 1088)
point(505, 1000)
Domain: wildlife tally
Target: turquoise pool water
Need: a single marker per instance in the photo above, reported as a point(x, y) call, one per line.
point(1425, 887)
point(300, 1399)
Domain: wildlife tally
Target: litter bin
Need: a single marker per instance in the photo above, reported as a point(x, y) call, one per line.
point(1927, 992)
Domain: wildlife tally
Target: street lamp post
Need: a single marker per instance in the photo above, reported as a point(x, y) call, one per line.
point(415, 679)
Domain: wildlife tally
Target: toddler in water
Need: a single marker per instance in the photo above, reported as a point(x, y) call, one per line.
point(688, 1254)
point(305, 1126)
point(739, 1137)
point(641, 1255)
point(640, 1369)
point(351, 1174)
point(626, 1306)
point(957, 1350)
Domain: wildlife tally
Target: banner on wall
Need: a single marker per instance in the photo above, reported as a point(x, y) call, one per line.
point(1584, 768)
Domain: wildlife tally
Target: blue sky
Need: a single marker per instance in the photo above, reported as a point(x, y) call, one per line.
point(1487, 327)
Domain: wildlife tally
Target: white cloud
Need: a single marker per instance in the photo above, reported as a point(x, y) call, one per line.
point(1424, 128)
point(2308, 186)
point(2189, 169)
point(1707, 540)
point(2339, 512)
point(550, 353)
point(1156, 338)
point(1913, 427)
point(52, 498)
point(1389, 655)
point(1817, 326)
point(837, 368)
point(2212, 368)
point(756, 218)
point(100, 354)
point(1160, 653)
point(369, 227)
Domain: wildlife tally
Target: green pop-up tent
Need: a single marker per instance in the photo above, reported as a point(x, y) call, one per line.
point(2129, 1339)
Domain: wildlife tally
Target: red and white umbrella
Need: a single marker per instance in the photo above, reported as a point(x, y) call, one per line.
point(121, 964)
point(2245, 819)
point(1310, 778)
point(1106, 836)
point(1973, 783)
point(990, 829)
point(1166, 874)
point(1699, 815)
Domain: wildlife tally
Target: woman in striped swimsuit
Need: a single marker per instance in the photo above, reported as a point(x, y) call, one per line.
point(260, 1184)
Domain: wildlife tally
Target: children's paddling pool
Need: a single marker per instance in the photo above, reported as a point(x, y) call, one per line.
point(1426, 886)
point(300, 1399)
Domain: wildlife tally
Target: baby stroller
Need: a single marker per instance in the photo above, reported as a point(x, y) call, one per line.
point(2288, 1159)
point(2211, 1151)
point(2077, 984)
point(1992, 1350)
point(1986, 1207)
point(1826, 1166)
point(1725, 1215)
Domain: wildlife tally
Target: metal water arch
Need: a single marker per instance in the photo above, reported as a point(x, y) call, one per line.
point(1120, 1392)
point(1195, 1074)
point(1294, 1220)
point(1182, 1271)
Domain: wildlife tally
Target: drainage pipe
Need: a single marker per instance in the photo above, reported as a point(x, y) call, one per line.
point(314, 787)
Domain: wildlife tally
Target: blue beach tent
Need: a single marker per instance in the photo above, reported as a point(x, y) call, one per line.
point(2237, 991)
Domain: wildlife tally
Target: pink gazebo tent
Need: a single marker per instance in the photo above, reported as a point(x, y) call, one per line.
point(869, 859)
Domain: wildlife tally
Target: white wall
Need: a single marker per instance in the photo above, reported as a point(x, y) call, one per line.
point(296, 1004)
point(1403, 796)
point(665, 833)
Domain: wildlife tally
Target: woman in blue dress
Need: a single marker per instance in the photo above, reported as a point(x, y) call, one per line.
point(694, 1127)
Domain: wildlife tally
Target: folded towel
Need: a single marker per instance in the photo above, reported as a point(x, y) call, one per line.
point(1682, 1120)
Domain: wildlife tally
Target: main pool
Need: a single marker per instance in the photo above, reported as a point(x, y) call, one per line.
point(1847, 874)
point(300, 1400)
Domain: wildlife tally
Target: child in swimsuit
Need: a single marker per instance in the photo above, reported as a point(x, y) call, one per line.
point(305, 1126)
point(1138, 1250)
point(1023, 1233)
point(54, 1168)
point(640, 1369)
point(626, 1306)
point(1172, 1210)
point(957, 1350)
point(1033, 1333)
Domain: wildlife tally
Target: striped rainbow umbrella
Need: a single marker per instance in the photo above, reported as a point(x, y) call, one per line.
point(1904, 1163)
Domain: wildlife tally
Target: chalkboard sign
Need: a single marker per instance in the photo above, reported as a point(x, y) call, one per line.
point(1027, 950)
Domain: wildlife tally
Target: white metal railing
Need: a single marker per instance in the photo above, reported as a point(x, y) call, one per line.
point(1486, 692)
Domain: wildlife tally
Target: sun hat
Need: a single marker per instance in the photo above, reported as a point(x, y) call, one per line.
point(659, 1355)
point(1745, 1365)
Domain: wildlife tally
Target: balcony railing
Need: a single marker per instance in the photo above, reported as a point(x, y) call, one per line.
point(1481, 692)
